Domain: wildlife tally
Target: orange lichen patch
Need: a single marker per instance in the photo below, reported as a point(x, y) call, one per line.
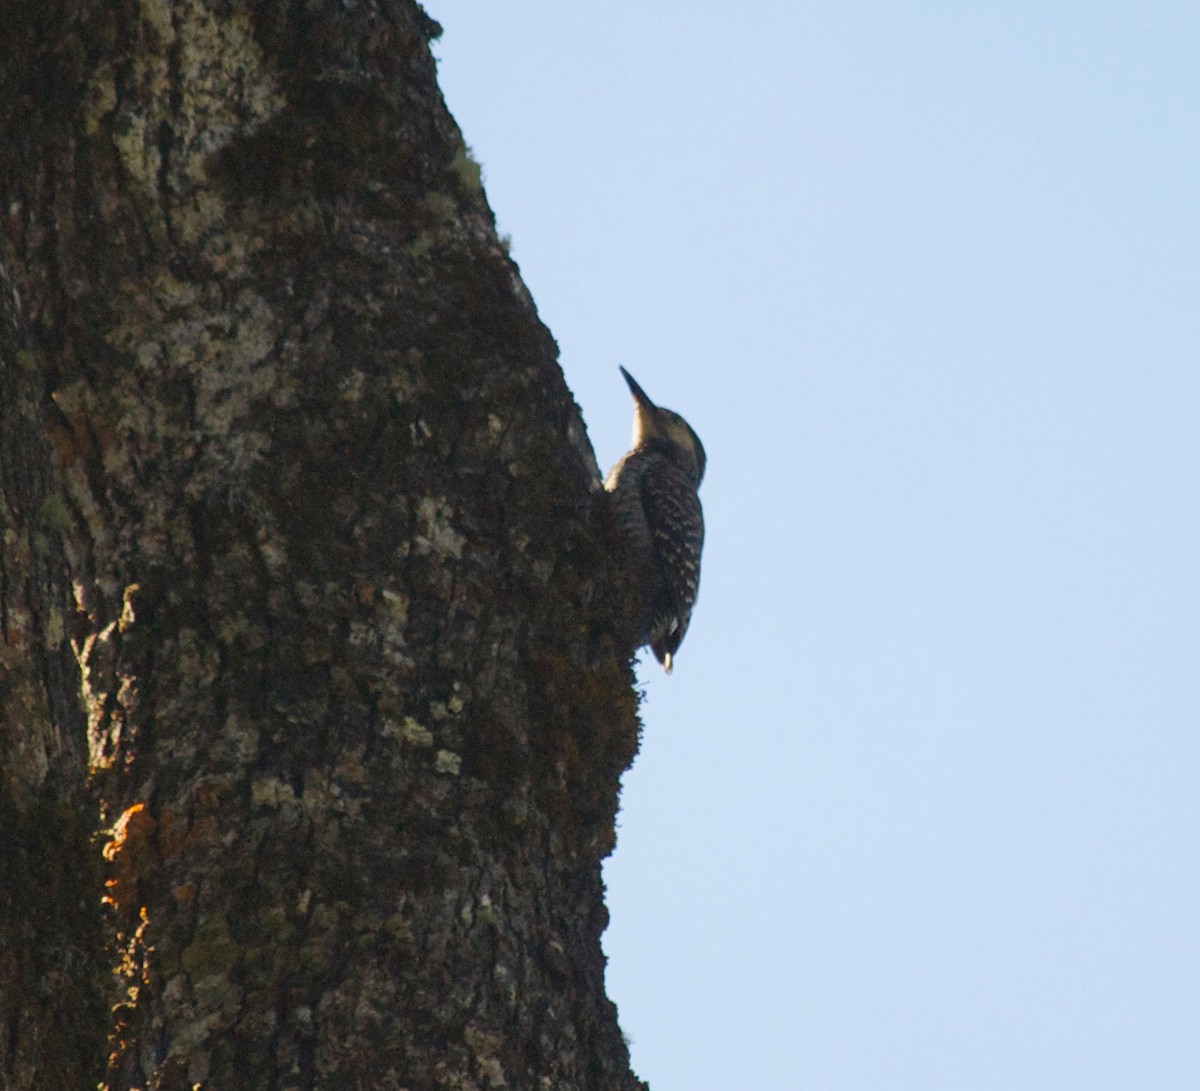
point(124, 828)
point(131, 970)
point(130, 851)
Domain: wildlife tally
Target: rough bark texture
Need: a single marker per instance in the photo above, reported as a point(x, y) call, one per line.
point(51, 958)
point(289, 463)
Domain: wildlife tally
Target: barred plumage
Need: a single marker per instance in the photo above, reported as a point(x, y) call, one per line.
point(654, 493)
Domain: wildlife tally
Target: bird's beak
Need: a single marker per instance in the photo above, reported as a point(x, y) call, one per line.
point(639, 395)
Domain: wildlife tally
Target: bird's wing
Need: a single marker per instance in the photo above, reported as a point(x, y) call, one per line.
point(677, 525)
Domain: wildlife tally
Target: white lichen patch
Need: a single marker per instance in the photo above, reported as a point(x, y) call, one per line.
point(226, 354)
point(199, 76)
point(55, 629)
point(100, 99)
point(485, 1046)
point(141, 157)
point(353, 385)
point(240, 739)
point(362, 635)
point(229, 363)
point(156, 15)
point(324, 795)
point(394, 652)
point(443, 710)
point(271, 792)
point(350, 769)
point(416, 734)
point(396, 604)
point(225, 80)
point(408, 732)
point(273, 551)
point(436, 535)
point(231, 628)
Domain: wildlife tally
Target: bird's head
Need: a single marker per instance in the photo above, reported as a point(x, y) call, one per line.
point(666, 429)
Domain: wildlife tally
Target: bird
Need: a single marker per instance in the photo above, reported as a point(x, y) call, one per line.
point(657, 507)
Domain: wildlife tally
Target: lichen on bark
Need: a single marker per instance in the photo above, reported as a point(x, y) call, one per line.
point(321, 527)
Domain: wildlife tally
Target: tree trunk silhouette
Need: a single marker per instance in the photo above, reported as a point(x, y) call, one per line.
point(314, 699)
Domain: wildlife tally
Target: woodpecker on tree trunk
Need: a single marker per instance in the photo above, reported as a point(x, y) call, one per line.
point(654, 493)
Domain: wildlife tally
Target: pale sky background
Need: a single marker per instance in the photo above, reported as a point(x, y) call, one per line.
point(919, 808)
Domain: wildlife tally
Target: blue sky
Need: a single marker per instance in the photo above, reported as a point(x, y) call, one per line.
point(919, 807)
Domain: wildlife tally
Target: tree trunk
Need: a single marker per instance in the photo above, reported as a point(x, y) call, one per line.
point(303, 560)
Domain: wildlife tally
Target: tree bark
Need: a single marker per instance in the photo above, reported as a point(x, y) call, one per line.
point(305, 582)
